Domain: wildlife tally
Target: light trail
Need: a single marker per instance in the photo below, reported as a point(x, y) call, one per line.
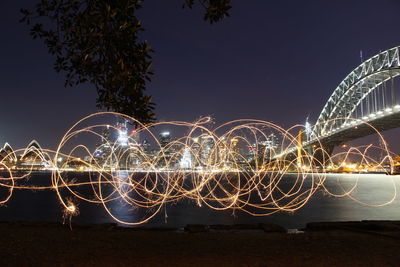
point(216, 173)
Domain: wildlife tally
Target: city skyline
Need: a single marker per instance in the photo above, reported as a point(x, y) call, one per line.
point(269, 79)
point(199, 133)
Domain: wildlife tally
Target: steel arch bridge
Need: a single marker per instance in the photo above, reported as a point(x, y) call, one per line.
point(366, 97)
point(362, 96)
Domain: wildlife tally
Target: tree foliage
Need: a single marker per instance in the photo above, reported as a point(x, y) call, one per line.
point(215, 9)
point(97, 41)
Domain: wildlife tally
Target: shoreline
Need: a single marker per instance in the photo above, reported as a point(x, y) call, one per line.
point(363, 225)
point(50, 244)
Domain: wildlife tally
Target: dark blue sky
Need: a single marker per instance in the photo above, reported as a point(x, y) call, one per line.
point(271, 60)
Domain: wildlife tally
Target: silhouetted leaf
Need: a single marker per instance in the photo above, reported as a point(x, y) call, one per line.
point(97, 41)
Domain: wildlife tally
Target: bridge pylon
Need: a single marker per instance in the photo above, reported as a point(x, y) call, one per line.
point(303, 153)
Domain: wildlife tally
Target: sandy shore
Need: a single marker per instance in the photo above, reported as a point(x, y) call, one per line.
point(33, 244)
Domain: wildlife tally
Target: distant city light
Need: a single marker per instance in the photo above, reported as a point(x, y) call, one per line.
point(122, 137)
point(165, 169)
point(165, 134)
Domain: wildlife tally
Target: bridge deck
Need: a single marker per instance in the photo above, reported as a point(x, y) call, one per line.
point(380, 123)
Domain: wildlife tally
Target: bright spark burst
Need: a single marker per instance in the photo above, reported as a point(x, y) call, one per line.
point(216, 173)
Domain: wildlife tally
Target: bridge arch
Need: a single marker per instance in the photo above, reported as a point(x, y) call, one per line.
point(362, 94)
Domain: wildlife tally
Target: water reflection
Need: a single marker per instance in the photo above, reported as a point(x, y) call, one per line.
point(121, 207)
point(373, 190)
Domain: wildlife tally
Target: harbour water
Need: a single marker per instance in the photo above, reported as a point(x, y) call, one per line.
point(377, 192)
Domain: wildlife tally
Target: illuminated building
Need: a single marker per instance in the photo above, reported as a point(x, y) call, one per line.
point(262, 152)
point(196, 151)
point(122, 134)
point(206, 149)
point(167, 151)
point(186, 161)
point(7, 155)
point(103, 152)
point(33, 157)
point(146, 147)
point(165, 138)
point(123, 151)
point(235, 157)
point(272, 143)
point(252, 152)
point(135, 149)
point(234, 145)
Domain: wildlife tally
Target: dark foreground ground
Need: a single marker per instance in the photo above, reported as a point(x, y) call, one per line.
point(25, 244)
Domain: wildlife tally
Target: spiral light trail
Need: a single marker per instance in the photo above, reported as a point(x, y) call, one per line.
point(205, 165)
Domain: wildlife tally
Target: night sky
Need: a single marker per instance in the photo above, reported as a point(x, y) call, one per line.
point(271, 60)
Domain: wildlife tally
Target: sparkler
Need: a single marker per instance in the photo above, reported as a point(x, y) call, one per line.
point(204, 165)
